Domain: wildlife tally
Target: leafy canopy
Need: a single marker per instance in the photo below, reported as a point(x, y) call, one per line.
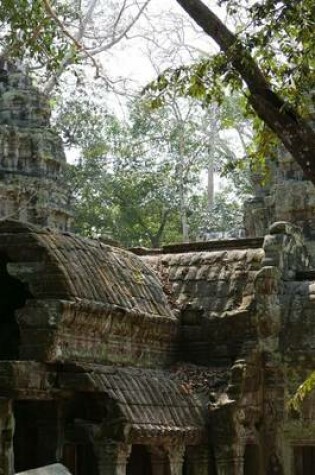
point(27, 30)
point(278, 36)
point(134, 176)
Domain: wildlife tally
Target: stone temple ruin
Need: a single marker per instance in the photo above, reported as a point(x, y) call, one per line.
point(175, 361)
point(31, 155)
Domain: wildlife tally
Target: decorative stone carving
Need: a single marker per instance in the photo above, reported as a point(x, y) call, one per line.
point(197, 460)
point(32, 160)
point(159, 460)
point(175, 454)
point(112, 457)
point(287, 197)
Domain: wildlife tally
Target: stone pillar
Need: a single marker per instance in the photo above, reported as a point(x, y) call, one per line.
point(175, 455)
point(6, 437)
point(198, 460)
point(159, 460)
point(229, 460)
point(230, 467)
point(112, 457)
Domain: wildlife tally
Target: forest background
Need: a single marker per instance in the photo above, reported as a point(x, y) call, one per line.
point(146, 157)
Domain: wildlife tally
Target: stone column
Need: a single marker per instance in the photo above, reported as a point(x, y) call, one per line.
point(112, 457)
point(197, 460)
point(175, 455)
point(159, 460)
point(6, 437)
point(230, 460)
point(230, 467)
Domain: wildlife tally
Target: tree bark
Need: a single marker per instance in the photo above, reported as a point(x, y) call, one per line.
point(292, 129)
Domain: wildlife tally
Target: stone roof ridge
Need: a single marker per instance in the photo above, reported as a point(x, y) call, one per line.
point(198, 246)
point(20, 226)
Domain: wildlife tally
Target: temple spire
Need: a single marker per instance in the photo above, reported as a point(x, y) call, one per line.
point(32, 160)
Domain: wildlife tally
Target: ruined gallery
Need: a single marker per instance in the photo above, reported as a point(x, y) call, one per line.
point(172, 361)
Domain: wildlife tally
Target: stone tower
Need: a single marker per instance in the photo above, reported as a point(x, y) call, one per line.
point(32, 159)
point(288, 196)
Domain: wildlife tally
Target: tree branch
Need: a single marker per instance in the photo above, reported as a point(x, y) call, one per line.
point(295, 133)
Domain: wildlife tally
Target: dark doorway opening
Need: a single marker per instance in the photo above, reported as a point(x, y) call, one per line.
point(304, 460)
point(13, 296)
point(80, 459)
point(251, 459)
point(36, 434)
point(139, 462)
point(80, 414)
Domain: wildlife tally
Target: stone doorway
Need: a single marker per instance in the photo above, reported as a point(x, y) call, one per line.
point(80, 459)
point(36, 434)
point(13, 296)
point(304, 460)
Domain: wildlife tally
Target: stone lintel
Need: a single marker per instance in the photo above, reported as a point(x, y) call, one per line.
point(26, 380)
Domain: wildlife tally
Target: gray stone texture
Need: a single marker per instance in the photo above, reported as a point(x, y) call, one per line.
point(32, 159)
point(286, 197)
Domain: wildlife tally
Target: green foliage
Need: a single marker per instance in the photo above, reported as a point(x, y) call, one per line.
point(134, 176)
point(28, 31)
point(224, 218)
point(280, 37)
point(302, 392)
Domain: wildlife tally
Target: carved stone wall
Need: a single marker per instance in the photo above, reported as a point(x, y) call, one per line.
point(288, 196)
point(32, 160)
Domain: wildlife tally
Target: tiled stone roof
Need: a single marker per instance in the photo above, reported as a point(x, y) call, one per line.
point(209, 282)
point(90, 301)
point(151, 403)
point(213, 294)
point(65, 266)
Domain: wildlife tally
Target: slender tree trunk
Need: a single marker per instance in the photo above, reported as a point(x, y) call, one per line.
point(294, 131)
point(182, 191)
point(214, 130)
point(210, 185)
point(182, 204)
point(156, 238)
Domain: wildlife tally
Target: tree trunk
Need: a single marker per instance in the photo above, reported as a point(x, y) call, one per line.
point(294, 131)
point(182, 192)
point(214, 131)
point(210, 186)
point(183, 207)
point(156, 238)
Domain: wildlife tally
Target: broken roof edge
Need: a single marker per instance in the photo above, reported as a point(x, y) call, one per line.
point(199, 246)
